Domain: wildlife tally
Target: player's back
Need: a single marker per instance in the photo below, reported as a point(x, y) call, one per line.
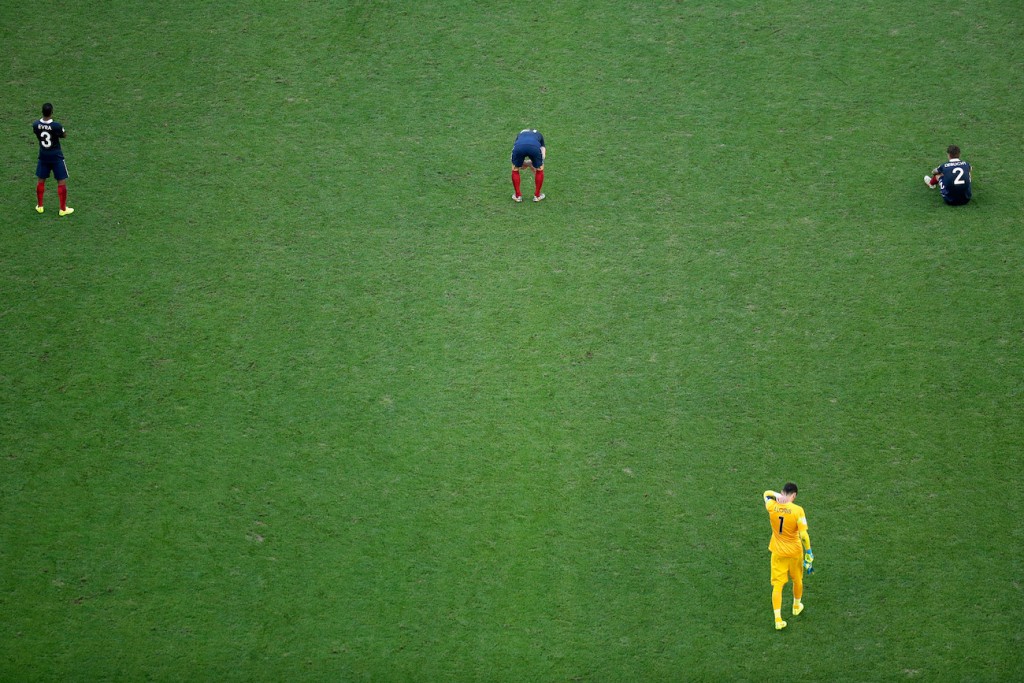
point(48, 133)
point(787, 520)
point(529, 137)
point(955, 181)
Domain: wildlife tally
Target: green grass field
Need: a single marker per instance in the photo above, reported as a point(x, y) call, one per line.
point(299, 393)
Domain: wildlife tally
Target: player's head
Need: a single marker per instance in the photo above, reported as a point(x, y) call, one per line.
point(790, 490)
point(47, 110)
point(953, 151)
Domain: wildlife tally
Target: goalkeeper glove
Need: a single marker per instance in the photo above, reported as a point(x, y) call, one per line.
point(808, 561)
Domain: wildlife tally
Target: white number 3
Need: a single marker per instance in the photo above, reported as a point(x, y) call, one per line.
point(44, 140)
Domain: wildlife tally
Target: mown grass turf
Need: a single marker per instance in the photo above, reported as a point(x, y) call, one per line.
point(298, 392)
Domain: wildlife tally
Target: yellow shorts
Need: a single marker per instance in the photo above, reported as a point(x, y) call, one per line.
point(784, 568)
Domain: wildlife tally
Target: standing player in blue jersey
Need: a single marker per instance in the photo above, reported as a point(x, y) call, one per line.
point(528, 150)
point(953, 178)
point(51, 159)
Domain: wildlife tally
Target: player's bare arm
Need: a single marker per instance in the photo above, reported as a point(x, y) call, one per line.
point(780, 498)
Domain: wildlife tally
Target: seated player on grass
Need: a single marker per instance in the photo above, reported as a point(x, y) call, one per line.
point(953, 178)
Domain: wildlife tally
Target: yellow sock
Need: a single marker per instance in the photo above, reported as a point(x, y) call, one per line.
point(778, 615)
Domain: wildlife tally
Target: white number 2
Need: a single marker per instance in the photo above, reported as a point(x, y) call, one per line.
point(44, 139)
point(959, 172)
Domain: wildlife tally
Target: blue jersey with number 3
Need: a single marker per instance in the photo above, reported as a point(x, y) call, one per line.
point(954, 181)
point(48, 133)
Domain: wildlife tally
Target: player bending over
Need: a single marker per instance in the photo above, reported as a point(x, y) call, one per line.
point(789, 545)
point(528, 150)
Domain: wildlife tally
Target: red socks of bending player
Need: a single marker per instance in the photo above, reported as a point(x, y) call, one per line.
point(538, 177)
point(40, 191)
point(62, 192)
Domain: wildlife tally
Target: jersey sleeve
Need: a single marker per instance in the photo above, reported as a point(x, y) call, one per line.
point(801, 521)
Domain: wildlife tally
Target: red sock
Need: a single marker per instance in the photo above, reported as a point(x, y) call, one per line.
point(515, 181)
point(40, 191)
point(62, 192)
point(539, 177)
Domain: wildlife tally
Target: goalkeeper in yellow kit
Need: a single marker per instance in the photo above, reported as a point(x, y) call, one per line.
point(790, 546)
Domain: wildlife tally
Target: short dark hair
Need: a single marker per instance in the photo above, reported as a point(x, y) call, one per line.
point(47, 109)
point(790, 487)
point(953, 151)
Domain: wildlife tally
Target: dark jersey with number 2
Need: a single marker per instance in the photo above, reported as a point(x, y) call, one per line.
point(954, 181)
point(48, 133)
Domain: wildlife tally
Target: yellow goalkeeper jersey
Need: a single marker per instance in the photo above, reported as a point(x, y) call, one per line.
point(787, 522)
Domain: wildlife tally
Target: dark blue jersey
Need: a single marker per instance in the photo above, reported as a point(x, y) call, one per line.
point(529, 138)
point(954, 181)
point(48, 133)
point(528, 145)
